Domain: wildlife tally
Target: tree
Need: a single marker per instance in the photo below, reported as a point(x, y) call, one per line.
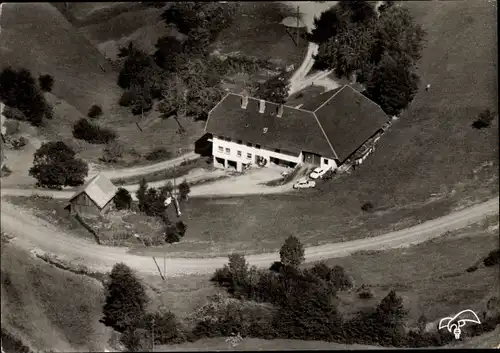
point(326, 26)
point(389, 318)
point(55, 165)
point(46, 82)
point(126, 299)
point(184, 190)
point(136, 340)
point(165, 327)
point(275, 89)
point(292, 252)
point(18, 89)
point(392, 85)
point(141, 193)
point(112, 152)
point(385, 5)
point(122, 199)
point(357, 11)
point(167, 50)
point(95, 111)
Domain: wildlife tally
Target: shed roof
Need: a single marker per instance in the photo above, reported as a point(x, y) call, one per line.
point(99, 189)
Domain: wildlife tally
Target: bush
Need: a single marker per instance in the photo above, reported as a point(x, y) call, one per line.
point(19, 143)
point(122, 199)
point(484, 119)
point(184, 190)
point(93, 133)
point(11, 127)
point(55, 165)
point(95, 111)
point(136, 340)
point(175, 232)
point(158, 154)
point(492, 259)
point(128, 98)
point(14, 113)
point(46, 82)
point(367, 207)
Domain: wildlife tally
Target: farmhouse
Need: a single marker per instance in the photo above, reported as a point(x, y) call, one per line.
point(94, 197)
point(325, 131)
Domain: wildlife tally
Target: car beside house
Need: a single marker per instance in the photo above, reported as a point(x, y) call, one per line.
point(304, 184)
point(323, 132)
point(318, 173)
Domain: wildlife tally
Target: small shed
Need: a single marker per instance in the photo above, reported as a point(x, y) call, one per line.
point(94, 197)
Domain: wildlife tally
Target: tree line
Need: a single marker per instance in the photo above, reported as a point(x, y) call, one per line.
point(303, 305)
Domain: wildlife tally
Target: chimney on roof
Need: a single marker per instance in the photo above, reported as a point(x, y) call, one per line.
point(262, 106)
point(244, 101)
point(280, 111)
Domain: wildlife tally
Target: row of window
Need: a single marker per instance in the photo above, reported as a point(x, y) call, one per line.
point(240, 142)
point(238, 153)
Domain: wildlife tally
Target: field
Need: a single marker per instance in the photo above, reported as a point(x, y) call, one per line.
point(47, 308)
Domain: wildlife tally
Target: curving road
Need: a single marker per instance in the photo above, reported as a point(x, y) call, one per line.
point(33, 233)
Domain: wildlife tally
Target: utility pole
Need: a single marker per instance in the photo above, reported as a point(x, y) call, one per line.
point(153, 334)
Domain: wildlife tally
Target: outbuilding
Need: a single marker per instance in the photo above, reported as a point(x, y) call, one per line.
point(94, 197)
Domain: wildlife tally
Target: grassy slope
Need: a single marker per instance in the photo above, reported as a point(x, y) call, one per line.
point(38, 37)
point(48, 308)
point(58, 49)
point(433, 149)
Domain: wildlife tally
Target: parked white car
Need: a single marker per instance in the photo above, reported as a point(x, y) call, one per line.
point(318, 173)
point(304, 184)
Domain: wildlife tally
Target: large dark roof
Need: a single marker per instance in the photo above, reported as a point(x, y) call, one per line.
point(349, 119)
point(333, 124)
point(295, 131)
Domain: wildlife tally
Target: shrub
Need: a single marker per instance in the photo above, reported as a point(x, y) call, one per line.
point(122, 199)
point(367, 207)
point(55, 165)
point(46, 82)
point(484, 119)
point(92, 133)
point(95, 111)
point(19, 143)
point(492, 259)
point(184, 190)
point(14, 113)
point(158, 153)
point(136, 340)
point(11, 127)
point(127, 99)
point(126, 299)
point(175, 232)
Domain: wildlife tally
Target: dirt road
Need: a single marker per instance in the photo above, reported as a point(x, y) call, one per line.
point(299, 80)
point(34, 233)
point(250, 183)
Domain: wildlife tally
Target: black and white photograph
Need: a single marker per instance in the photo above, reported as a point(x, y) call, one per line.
point(249, 176)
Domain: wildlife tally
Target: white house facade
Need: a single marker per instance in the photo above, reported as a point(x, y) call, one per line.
point(248, 131)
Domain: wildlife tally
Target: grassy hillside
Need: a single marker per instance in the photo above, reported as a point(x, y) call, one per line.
point(76, 65)
point(38, 37)
point(47, 308)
